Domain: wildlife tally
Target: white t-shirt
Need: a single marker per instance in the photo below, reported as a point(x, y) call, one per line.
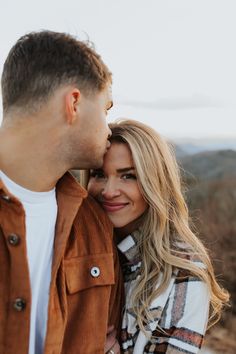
point(41, 213)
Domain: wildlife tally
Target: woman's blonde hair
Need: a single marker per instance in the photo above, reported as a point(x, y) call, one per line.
point(166, 241)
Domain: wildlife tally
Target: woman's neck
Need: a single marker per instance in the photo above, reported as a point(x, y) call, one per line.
point(123, 232)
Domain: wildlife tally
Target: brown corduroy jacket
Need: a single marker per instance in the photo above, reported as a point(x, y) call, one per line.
point(81, 305)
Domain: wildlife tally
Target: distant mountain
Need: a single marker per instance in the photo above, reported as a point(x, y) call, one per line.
point(211, 197)
point(211, 165)
point(179, 152)
point(193, 146)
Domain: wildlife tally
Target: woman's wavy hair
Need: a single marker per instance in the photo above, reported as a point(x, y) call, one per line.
point(166, 241)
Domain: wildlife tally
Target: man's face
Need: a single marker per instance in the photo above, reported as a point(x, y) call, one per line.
point(90, 138)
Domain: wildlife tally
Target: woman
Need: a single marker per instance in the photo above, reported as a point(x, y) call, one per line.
point(171, 291)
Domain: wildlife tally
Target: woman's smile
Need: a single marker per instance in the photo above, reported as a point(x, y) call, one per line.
point(112, 207)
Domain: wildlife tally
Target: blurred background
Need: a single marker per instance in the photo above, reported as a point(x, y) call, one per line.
point(174, 67)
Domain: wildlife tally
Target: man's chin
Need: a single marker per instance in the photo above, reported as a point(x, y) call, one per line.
point(97, 164)
point(86, 165)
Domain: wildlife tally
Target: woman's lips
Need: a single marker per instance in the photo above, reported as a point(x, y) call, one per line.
point(112, 207)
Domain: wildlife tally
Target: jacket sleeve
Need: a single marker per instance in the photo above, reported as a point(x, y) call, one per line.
point(184, 320)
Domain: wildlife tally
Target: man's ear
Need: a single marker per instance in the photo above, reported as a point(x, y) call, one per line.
point(71, 105)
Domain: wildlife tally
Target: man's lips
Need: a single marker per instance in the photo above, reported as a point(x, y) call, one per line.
point(112, 207)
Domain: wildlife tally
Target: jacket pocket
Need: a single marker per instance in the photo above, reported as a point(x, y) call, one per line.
point(89, 271)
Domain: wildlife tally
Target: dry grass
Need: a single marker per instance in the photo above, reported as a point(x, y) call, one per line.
point(222, 340)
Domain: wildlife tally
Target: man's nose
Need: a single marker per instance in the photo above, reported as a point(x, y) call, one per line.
point(110, 190)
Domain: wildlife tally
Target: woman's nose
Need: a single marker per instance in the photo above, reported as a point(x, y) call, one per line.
point(110, 190)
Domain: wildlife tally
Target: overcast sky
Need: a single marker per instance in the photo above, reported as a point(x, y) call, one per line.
point(173, 62)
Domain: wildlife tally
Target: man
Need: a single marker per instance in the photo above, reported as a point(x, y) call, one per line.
point(59, 282)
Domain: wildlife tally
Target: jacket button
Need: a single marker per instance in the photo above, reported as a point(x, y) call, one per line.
point(5, 197)
point(19, 304)
point(14, 239)
point(95, 272)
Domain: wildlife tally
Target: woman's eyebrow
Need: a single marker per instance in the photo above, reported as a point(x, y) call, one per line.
point(96, 170)
point(125, 169)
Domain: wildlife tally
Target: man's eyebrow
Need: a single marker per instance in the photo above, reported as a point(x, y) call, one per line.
point(110, 105)
point(125, 169)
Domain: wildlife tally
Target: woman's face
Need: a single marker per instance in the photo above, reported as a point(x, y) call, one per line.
point(115, 187)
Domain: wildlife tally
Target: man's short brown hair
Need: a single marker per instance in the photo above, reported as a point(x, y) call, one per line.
point(42, 61)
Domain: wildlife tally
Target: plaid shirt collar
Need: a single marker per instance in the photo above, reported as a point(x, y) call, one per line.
point(129, 248)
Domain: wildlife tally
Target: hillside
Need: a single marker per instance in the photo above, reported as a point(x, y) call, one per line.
point(210, 165)
point(210, 178)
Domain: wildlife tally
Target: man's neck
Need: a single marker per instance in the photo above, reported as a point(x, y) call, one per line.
point(26, 162)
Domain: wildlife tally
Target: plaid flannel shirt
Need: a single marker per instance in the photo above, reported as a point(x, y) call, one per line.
point(181, 311)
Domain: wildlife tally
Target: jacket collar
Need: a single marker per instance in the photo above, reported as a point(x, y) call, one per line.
point(67, 185)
